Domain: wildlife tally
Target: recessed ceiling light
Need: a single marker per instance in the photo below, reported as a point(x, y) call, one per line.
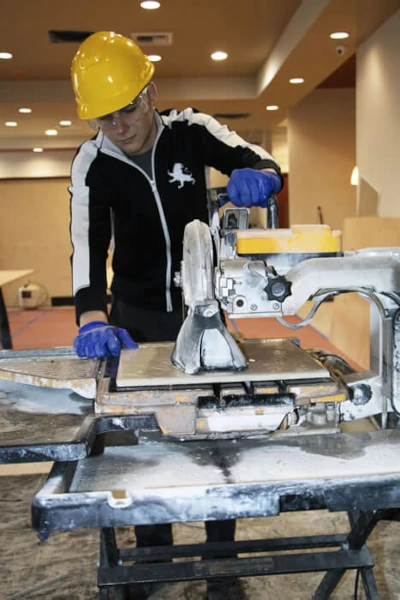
point(25, 111)
point(355, 176)
point(272, 107)
point(339, 35)
point(296, 80)
point(37, 149)
point(154, 57)
point(11, 124)
point(51, 132)
point(219, 55)
point(150, 4)
point(65, 123)
point(5, 55)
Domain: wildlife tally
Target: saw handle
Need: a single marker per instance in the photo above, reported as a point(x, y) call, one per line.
point(219, 196)
point(273, 212)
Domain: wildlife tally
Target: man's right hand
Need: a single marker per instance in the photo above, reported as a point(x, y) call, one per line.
point(97, 339)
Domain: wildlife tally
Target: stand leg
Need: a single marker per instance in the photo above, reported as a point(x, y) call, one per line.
point(109, 557)
point(5, 335)
point(362, 523)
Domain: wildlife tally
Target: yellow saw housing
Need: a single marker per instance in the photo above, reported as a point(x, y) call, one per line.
point(309, 239)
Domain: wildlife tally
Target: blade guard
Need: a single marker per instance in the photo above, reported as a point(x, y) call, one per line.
point(203, 341)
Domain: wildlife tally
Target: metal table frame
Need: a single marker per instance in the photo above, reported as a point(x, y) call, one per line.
point(5, 334)
point(91, 428)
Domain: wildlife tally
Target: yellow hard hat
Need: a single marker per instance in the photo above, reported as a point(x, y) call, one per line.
point(108, 72)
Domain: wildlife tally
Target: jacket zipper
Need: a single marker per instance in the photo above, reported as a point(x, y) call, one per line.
point(168, 298)
point(157, 198)
point(164, 225)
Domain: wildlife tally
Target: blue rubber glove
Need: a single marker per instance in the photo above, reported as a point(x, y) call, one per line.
point(98, 339)
point(248, 187)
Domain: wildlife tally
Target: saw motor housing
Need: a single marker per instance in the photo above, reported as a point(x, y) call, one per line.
point(250, 277)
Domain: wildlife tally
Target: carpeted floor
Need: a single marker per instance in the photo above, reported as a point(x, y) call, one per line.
point(64, 567)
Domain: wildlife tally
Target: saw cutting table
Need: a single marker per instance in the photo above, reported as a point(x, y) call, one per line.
point(267, 360)
point(119, 469)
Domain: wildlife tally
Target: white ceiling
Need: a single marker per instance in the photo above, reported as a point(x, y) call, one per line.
point(267, 41)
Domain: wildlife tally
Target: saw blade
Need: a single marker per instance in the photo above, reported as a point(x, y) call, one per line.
point(197, 264)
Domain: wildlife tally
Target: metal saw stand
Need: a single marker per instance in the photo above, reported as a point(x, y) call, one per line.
point(104, 486)
point(352, 553)
point(76, 495)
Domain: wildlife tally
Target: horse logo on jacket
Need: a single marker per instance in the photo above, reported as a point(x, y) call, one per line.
point(181, 174)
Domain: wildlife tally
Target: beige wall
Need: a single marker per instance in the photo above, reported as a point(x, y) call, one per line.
point(279, 147)
point(350, 328)
point(25, 164)
point(34, 234)
point(321, 138)
point(378, 119)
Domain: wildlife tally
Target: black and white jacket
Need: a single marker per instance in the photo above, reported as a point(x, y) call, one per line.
point(111, 196)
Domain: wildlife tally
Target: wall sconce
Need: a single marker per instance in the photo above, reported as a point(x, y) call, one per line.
point(355, 176)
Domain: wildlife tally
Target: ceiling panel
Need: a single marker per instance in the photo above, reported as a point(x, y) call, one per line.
point(246, 29)
point(267, 41)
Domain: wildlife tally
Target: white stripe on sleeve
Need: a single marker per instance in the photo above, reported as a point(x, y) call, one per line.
point(80, 215)
point(221, 132)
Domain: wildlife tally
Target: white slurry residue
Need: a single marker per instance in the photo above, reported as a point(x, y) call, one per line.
point(182, 482)
point(150, 468)
point(39, 400)
point(146, 467)
point(289, 463)
point(118, 422)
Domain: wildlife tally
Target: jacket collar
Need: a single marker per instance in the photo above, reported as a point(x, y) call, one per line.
point(108, 147)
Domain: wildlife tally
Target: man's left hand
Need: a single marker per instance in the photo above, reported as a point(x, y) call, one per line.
point(248, 187)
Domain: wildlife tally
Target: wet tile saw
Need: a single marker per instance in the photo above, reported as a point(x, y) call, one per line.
point(211, 383)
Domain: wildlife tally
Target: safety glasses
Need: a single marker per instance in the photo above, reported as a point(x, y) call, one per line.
point(128, 115)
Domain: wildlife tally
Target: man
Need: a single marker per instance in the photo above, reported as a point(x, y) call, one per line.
point(140, 180)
